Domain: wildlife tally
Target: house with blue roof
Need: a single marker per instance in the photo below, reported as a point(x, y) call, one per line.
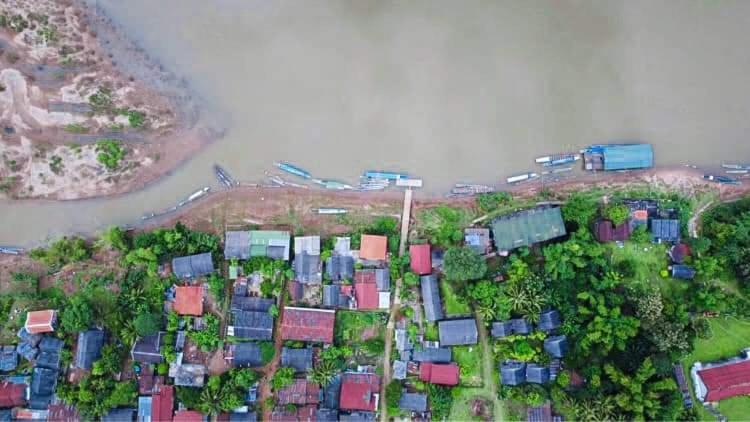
point(614, 157)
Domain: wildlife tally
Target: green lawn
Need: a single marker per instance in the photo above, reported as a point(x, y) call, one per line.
point(729, 337)
point(469, 359)
point(431, 332)
point(650, 260)
point(454, 304)
point(462, 398)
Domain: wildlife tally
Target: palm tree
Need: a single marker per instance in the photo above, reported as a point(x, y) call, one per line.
point(128, 334)
point(324, 372)
point(486, 311)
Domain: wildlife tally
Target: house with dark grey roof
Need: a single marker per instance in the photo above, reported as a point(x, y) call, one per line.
point(123, 414)
point(340, 267)
point(251, 325)
point(458, 332)
point(193, 266)
point(28, 344)
point(246, 355)
point(43, 384)
point(433, 354)
point(335, 297)
point(148, 349)
point(556, 346)
point(8, 358)
point(414, 402)
point(665, 230)
point(433, 307)
point(527, 227)
point(89, 348)
point(549, 320)
point(332, 393)
point(537, 374)
point(307, 268)
point(383, 279)
point(250, 303)
point(299, 359)
point(327, 415)
point(512, 373)
point(49, 353)
point(237, 245)
point(511, 327)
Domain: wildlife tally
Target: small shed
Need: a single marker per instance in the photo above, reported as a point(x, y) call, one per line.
point(193, 266)
point(683, 272)
point(89, 348)
point(420, 259)
point(537, 374)
point(512, 373)
point(549, 320)
point(458, 332)
point(556, 346)
point(399, 369)
point(38, 322)
point(413, 402)
point(433, 307)
point(299, 359)
point(478, 239)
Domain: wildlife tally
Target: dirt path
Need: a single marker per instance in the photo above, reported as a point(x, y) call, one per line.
point(395, 305)
point(487, 370)
point(270, 369)
point(693, 222)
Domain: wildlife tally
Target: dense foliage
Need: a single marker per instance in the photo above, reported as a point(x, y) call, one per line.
point(110, 152)
point(62, 252)
point(727, 229)
point(443, 226)
point(463, 263)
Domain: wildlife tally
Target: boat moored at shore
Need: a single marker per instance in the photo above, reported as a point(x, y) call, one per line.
point(721, 179)
point(519, 178)
point(292, 169)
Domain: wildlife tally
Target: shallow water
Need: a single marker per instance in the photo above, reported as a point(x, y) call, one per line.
point(445, 90)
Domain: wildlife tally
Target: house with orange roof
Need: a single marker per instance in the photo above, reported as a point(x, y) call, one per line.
point(373, 247)
point(189, 300)
point(38, 322)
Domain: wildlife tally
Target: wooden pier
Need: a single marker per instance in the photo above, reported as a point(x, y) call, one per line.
point(405, 217)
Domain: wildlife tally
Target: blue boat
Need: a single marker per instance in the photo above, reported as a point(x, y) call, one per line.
point(293, 170)
point(721, 179)
point(388, 175)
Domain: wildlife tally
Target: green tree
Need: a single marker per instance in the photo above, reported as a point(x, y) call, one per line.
point(393, 396)
point(580, 209)
point(606, 327)
point(62, 252)
point(77, 316)
point(640, 396)
point(147, 324)
point(323, 372)
point(209, 337)
point(115, 238)
point(463, 263)
point(441, 401)
point(444, 225)
point(283, 377)
point(617, 213)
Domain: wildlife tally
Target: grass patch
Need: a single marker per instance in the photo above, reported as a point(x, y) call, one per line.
point(647, 261)
point(76, 128)
point(469, 359)
point(462, 399)
point(454, 304)
point(729, 337)
point(352, 327)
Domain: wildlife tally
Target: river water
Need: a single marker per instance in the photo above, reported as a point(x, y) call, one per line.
point(446, 90)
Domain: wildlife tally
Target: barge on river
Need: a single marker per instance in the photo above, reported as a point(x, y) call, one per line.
point(616, 157)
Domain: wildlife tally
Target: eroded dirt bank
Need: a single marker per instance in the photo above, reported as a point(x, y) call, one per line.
point(69, 81)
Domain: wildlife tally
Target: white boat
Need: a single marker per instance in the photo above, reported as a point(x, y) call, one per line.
point(521, 178)
point(331, 211)
point(197, 194)
point(562, 158)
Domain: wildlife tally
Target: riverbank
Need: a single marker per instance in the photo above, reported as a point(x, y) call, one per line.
point(71, 79)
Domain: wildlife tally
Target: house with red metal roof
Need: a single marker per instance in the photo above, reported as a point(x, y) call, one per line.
point(420, 259)
point(605, 231)
point(189, 416)
point(442, 374)
point(359, 392)
point(308, 324)
point(12, 394)
point(373, 248)
point(300, 391)
point(189, 300)
point(719, 381)
point(372, 289)
point(38, 322)
point(162, 404)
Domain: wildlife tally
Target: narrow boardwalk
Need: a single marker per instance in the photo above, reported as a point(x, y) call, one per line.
point(395, 305)
point(488, 373)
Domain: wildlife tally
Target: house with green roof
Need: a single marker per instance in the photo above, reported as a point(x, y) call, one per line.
point(271, 243)
point(527, 227)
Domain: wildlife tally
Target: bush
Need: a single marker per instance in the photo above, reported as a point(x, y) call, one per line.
point(267, 352)
point(147, 324)
point(392, 396)
point(640, 235)
point(617, 213)
point(702, 328)
point(374, 346)
point(62, 252)
point(110, 153)
point(488, 202)
point(162, 368)
point(282, 378)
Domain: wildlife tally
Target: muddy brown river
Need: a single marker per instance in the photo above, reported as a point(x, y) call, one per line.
point(445, 90)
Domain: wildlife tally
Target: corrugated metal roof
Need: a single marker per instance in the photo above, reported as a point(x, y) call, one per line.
point(237, 244)
point(433, 306)
point(527, 227)
point(193, 265)
point(626, 157)
point(458, 332)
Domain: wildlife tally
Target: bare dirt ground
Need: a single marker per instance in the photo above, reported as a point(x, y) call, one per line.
point(62, 89)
